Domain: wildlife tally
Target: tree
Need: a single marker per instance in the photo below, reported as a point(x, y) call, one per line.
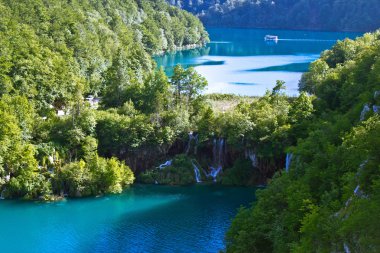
point(178, 82)
point(188, 84)
point(194, 84)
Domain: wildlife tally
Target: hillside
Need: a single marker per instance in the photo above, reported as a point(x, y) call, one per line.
point(331, 15)
point(56, 59)
point(50, 45)
point(330, 198)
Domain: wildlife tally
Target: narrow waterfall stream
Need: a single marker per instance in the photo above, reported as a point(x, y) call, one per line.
point(289, 157)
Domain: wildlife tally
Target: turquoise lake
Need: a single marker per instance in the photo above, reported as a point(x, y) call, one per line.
point(142, 219)
point(239, 61)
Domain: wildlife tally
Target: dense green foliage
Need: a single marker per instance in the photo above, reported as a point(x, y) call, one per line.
point(52, 50)
point(262, 127)
point(53, 141)
point(249, 140)
point(348, 15)
point(180, 172)
point(53, 54)
point(241, 173)
point(330, 199)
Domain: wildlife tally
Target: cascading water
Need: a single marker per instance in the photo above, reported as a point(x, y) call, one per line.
point(196, 144)
point(346, 248)
point(214, 172)
point(376, 109)
point(218, 151)
point(166, 164)
point(289, 157)
point(197, 173)
point(357, 190)
point(2, 194)
point(192, 137)
point(253, 157)
point(358, 193)
point(364, 112)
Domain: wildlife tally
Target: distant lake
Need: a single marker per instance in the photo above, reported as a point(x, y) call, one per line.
point(145, 218)
point(239, 61)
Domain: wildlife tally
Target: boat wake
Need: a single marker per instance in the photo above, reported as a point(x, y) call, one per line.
point(311, 40)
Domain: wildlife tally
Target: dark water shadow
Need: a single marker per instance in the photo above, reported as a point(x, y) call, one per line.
point(170, 69)
point(242, 83)
point(293, 67)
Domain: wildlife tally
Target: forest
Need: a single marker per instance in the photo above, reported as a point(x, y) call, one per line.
point(329, 199)
point(329, 15)
point(56, 59)
point(85, 112)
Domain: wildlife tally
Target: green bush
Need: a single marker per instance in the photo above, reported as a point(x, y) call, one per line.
point(98, 176)
point(240, 174)
point(181, 172)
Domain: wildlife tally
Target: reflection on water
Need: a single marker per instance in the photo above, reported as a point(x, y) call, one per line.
point(239, 61)
point(188, 58)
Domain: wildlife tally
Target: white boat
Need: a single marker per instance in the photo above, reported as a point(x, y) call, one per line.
point(271, 38)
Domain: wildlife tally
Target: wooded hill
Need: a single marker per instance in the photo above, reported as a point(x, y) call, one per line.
point(331, 15)
point(55, 57)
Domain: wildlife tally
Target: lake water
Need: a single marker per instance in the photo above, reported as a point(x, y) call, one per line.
point(239, 61)
point(142, 219)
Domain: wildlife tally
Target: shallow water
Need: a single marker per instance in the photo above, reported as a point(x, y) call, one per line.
point(239, 61)
point(142, 219)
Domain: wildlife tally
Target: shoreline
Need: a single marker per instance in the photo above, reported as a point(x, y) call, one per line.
point(285, 29)
point(179, 48)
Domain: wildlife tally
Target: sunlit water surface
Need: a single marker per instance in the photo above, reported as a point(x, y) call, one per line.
point(239, 61)
point(142, 219)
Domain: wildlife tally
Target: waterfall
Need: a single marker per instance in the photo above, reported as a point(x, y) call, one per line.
point(2, 194)
point(189, 143)
point(214, 150)
point(166, 164)
point(348, 202)
point(192, 137)
point(197, 173)
point(361, 166)
point(346, 248)
point(253, 157)
point(376, 109)
point(288, 162)
point(358, 192)
point(218, 151)
point(364, 112)
point(215, 172)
